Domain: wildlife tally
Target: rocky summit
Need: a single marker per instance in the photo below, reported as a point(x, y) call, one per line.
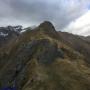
point(43, 59)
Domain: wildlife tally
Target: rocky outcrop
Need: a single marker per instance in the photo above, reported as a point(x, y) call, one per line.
point(47, 26)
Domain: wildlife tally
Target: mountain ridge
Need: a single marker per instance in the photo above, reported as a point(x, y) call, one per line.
point(41, 59)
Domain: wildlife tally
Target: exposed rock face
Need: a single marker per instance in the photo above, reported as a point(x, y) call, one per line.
point(41, 59)
point(47, 52)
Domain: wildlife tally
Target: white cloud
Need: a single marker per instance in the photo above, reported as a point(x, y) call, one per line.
point(80, 26)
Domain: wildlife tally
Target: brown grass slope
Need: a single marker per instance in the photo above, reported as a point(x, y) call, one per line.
point(77, 43)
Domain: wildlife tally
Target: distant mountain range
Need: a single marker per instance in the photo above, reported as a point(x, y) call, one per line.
point(42, 58)
point(9, 33)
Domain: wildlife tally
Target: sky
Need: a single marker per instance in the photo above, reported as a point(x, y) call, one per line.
point(64, 14)
point(80, 26)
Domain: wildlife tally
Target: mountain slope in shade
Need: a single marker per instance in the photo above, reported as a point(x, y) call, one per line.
point(87, 38)
point(39, 59)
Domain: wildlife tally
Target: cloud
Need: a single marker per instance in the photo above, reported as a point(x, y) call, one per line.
point(31, 12)
point(80, 26)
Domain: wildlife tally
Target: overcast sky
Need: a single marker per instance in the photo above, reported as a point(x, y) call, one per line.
point(32, 12)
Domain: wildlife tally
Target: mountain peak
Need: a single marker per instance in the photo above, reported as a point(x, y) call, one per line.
point(47, 26)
